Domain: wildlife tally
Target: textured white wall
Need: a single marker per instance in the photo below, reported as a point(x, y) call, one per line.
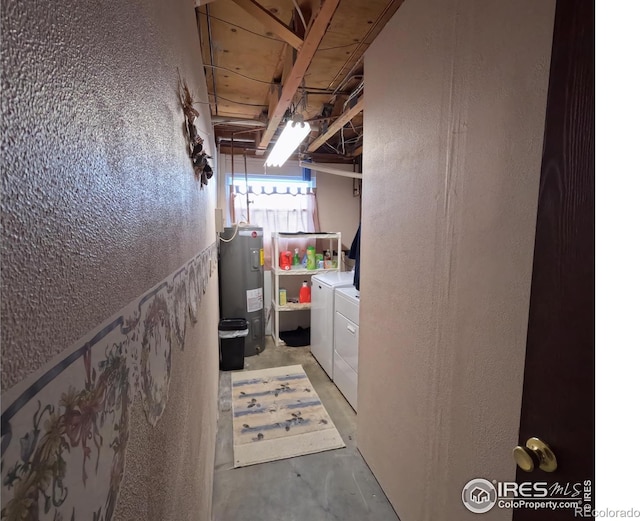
point(99, 203)
point(454, 120)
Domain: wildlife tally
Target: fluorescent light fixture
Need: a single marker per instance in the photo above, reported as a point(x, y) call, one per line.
point(290, 138)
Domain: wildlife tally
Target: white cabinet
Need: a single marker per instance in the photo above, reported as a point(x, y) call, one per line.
point(346, 336)
point(334, 244)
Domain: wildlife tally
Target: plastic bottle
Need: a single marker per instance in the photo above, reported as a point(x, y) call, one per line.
point(311, 258)
point(305, 293)
point(296, 257)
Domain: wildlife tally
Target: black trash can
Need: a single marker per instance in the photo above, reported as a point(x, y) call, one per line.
point(232, 332)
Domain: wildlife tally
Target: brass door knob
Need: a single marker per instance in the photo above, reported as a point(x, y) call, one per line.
point(535, 454)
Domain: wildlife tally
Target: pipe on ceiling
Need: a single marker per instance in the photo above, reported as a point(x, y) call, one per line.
point(328, 170)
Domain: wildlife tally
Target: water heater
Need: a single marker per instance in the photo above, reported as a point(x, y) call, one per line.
point(241, 271)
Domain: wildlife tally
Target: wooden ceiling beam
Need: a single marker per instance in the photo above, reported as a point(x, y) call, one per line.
point(271, 23)
point(309, 47)
point(342, 120)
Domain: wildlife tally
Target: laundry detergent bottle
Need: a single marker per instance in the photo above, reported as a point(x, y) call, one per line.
point(311, 258)
point(305, 293)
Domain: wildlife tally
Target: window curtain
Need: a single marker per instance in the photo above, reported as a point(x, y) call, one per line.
point(278, 212)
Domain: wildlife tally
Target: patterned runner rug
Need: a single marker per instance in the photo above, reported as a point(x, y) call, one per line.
point(277, 414)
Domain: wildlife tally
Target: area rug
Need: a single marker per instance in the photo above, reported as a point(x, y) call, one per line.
point(277, 414)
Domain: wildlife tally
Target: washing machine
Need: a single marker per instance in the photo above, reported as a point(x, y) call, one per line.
point(323, 286)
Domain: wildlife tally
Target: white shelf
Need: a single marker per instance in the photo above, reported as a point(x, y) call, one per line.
point(292, 306)
point(335, 244)
point(303, 271)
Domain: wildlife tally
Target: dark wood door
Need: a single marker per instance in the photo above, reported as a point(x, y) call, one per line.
point(559, 384)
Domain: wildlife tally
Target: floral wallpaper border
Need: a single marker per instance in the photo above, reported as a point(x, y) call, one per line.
point(65, 430)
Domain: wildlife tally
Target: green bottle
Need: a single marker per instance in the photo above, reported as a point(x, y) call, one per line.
point(311, 258)
point(296, 257)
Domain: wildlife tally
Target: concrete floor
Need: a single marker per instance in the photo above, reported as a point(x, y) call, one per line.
point(331, 485)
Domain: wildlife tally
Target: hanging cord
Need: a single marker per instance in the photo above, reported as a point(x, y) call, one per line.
point(235, 232)
point(246, 182)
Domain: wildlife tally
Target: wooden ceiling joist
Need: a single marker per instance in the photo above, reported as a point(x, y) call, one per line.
point(271, 22)
point(342, 120)
point(292, 82)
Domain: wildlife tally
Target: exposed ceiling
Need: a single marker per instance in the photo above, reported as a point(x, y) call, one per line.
point(265, 59)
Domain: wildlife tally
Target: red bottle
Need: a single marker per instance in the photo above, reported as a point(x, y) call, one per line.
point(285, 260)
point(305, 293)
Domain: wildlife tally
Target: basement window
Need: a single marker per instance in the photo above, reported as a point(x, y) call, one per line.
point(275, 203)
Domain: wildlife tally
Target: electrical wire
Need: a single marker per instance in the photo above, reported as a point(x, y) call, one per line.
point(321, 92)
point(240, 27)
point(315, 91)
point(353, 94)
point(235, 232)
point(241, 103)
point(238, 73)
point(348, 76)
point(331, 147)
point(354, 128)
point(304, 24)
point(338, 47)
